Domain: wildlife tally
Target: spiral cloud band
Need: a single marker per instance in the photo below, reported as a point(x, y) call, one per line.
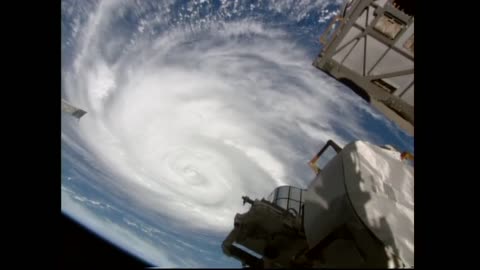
point(190, 106)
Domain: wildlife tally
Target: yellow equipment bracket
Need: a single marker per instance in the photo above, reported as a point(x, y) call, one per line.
point(324, 37)
point(313, 162)
point(406, 155)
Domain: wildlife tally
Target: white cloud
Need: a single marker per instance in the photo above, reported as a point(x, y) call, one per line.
point(160, 112)
point(182, 98)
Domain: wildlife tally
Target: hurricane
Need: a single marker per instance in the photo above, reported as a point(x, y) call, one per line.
point(191, 105)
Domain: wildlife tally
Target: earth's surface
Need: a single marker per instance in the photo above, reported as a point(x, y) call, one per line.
point(192, 104)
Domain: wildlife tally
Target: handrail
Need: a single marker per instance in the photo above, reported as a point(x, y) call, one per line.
point(326, 35)
point(313, 161)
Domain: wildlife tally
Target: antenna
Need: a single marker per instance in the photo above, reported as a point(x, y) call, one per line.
point(72, 110)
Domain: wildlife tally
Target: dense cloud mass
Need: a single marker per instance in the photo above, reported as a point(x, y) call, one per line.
point(190, 106)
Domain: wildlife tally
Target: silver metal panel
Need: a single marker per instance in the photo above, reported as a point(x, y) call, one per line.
point(295, 205)
point(341, 54)
point(400, 82)
point(295, 194)
point(282, 203)
point(351, 34)
point(382, 57)
point(371, 15)
point(392, 62)
point(405, 36)
point(408, 96)
point(283, 192)
point(362, 19)
point(375, 49)
point(380, 188)
point(325, 202)
point(381, 3)
point(388, 27)
point(72, 110)
point(354, 60)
